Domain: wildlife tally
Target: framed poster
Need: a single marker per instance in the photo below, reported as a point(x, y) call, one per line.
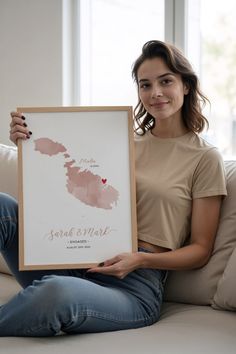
point(77, 200)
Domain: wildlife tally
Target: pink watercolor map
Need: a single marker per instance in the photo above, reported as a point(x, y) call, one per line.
point(89, 188)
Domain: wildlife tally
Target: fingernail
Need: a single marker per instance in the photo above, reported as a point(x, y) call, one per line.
point(24, 124)
point(23, 117)
point(30, 133)
point(101, 264)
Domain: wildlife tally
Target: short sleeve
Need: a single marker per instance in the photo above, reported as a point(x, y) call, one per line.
point(209, 177)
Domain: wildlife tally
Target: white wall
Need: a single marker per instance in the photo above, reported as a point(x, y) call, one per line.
point(30, 56)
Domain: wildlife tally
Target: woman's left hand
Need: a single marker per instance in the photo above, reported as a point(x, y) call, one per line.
point(119, 266)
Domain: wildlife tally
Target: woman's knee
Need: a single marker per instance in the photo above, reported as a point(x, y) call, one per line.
point(8, 221)
point(53, 290)
point(8, 206)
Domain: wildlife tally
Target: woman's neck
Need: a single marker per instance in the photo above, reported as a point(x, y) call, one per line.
point(169, 129)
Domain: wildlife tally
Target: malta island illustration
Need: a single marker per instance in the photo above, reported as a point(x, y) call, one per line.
point(89, 188)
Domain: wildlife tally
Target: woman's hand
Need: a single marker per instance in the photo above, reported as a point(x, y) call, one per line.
point(18, 128)
point(119, 266)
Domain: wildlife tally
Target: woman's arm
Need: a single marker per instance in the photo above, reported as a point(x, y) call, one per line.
point(204, 223)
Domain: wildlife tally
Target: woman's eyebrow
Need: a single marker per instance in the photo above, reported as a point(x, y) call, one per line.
point(166, 74)
point(158, 77)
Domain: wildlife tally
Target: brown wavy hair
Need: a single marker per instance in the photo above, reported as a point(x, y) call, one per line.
point(194, 101)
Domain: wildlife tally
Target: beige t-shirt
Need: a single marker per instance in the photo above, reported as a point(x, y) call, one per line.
point(170, 173)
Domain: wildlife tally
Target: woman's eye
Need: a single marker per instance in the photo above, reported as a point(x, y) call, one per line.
point(166, 82)
point(144, 86)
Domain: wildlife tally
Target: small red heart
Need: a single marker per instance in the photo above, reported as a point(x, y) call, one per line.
point(104, 180)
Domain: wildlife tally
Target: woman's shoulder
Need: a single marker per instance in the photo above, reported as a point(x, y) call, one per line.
point(200, 141)
point(209, 150)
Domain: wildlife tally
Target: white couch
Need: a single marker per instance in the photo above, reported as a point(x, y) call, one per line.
point(198, 314)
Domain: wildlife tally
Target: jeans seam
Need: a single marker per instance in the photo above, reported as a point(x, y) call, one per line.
point(97, 315)
point(106, 317)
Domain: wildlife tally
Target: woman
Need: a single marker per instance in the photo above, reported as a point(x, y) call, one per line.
point(180, 184)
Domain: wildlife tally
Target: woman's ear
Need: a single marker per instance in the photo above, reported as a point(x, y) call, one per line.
point(186, 89)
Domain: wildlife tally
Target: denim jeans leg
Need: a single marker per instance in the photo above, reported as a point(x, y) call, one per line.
point(9, 231)
point(75, 305)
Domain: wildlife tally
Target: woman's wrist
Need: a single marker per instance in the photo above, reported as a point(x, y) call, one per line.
point(143, 259)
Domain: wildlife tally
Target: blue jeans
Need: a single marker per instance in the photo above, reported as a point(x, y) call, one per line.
point(73, 301)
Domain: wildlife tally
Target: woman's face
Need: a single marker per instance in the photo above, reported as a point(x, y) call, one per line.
point(160, 90)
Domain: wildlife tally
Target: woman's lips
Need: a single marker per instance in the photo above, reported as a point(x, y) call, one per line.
point(159, 104)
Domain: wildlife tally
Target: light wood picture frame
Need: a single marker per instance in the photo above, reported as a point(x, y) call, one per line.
point(77, 198)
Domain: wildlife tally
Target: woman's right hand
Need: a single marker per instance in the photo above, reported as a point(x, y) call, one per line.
point(18, 128)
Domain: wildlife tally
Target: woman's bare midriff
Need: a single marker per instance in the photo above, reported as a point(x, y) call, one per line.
point(153, 248)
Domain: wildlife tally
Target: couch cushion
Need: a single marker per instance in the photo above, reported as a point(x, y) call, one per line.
point(9, 287)
point(3, 266)
point(8, 168)
point(225, 297)
point(199, 286)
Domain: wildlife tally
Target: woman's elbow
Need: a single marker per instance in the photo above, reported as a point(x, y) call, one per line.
point(204, 258)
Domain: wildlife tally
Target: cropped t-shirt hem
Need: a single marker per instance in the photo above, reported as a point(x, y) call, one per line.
point(155, 241)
